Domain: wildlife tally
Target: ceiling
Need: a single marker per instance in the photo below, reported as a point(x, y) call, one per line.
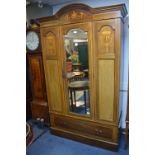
point(49, 2)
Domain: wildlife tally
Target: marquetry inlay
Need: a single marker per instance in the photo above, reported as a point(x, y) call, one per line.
point(76, 15)
point(106, 40)
point(50, 44)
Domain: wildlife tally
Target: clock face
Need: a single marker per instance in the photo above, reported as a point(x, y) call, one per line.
point(32, 40)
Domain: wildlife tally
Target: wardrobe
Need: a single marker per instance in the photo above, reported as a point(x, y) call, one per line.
point(87, 109)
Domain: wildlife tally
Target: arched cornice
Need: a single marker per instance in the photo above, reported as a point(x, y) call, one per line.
point(82, 11)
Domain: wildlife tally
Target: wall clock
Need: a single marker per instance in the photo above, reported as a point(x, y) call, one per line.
point(32, 40)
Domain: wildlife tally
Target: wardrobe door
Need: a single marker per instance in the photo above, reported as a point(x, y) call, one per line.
point(107, 64)
point(53, 67)
point(77, 40)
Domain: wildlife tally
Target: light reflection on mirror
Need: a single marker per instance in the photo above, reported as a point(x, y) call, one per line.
point(76, 51)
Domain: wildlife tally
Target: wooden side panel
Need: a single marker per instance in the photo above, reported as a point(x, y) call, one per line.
point(36, 76)
point(51, 42)
point(53, 80)
point(53, 67)
point(106, 89)
point(107, 58)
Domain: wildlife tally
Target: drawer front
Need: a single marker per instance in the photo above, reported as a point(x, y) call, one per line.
point(83, 127)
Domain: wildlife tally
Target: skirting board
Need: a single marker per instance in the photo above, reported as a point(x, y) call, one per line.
point(84, 139)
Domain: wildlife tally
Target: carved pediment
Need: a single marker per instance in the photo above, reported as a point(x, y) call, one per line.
point(76, 15)
point(78, 12)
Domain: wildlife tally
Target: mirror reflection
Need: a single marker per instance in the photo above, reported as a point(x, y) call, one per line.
point(77, 68)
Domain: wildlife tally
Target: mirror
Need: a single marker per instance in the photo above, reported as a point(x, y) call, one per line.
point(77, 69)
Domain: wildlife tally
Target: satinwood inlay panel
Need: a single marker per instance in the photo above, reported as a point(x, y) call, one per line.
point(106, 40)
point(50, 44)
point(76, 15)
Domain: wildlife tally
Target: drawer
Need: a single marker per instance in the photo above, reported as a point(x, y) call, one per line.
point(83, 127)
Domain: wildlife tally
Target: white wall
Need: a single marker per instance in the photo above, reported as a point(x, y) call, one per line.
point(125, 58)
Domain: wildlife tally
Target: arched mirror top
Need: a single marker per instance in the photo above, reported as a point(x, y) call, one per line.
point(77, 33)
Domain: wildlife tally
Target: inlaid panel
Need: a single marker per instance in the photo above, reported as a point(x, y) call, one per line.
point(75, 15)
point(50, 43)
point(106, 89)
point(106, 40)
point(54, 88)
point(36, 76)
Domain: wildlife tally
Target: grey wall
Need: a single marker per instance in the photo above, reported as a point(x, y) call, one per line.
point(124, 59)
point(93, 3)
point(33, 11)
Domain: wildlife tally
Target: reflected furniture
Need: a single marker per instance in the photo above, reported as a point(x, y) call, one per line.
point(70, 76)
point(78, 86)
point(86, 72)
point(104, 29)
point(68, 66)
point(77, 67)
point(75, 76)
point(79, 75)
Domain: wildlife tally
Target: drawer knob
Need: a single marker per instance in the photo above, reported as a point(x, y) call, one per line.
point(64, 123)
point(96, 130)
